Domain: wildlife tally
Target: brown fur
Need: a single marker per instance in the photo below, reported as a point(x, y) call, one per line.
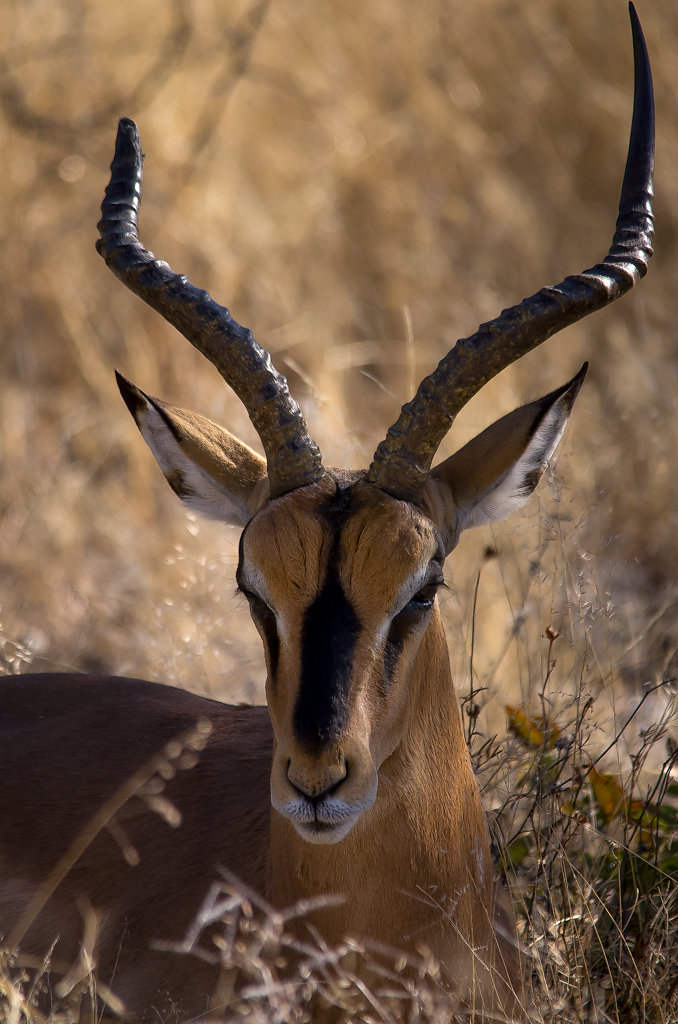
point(414, 872)
point(411, 861)
point(68, 742)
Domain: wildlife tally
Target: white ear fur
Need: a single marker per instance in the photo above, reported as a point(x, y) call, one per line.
point(198, 490)
point(494, 474)
point(513, 490)
point(211, 471)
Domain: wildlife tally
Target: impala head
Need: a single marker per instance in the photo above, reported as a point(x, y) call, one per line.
point(331, 627)
point(341, 569)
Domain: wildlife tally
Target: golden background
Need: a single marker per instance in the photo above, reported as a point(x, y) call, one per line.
point(361, 184)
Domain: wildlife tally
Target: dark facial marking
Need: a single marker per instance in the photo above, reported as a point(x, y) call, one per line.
point(329, 635)
point(408, 619)
point(394, 645)
point(264, 617)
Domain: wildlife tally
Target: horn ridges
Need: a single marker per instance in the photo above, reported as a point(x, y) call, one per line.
point(293, 459)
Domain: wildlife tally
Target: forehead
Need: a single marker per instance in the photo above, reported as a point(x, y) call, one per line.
point(361, 530)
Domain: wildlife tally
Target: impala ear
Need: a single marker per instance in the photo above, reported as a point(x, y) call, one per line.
point(211, 470)
point(495, 473)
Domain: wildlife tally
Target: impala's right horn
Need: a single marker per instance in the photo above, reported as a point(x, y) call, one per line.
point(403, 460)
point(292, 458)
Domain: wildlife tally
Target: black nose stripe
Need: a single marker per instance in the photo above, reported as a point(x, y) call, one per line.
point(329, 636)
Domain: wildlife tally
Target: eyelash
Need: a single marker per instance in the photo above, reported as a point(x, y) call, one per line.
point(256, 603)
point(425, 597)
point(423, 600)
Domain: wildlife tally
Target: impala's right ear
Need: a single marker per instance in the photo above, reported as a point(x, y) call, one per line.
point(211, 470)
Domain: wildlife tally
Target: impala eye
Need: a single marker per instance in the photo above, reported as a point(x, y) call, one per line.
point(420, 603)
point(425, 597)
point(257, 605)
point(267, 624)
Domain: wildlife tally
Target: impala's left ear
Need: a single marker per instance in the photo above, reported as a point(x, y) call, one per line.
point(495, 473)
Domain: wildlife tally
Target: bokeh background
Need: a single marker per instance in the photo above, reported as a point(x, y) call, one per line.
point(361, 184)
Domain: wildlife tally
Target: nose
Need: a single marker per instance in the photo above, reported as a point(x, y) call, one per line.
point(314, 780)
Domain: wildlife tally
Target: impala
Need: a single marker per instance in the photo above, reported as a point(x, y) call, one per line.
point(355, 780)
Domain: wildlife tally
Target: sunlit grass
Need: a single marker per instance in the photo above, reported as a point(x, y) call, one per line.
point(362, 186)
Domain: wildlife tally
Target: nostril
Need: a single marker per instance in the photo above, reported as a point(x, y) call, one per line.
point(343, 775)
point(317, 781)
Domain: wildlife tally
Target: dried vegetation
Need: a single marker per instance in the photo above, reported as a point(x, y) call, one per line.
point(362, 184)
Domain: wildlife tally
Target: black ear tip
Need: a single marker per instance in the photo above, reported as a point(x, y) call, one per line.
point(133, 397)
point(573, 387)
point(125, 386)
point(578, 378)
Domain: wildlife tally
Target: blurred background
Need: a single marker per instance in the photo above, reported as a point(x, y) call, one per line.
point(361, 184)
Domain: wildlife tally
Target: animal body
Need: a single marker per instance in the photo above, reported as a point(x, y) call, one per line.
point(355, 780)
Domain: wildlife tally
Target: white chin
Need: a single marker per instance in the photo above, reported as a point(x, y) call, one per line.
point(323, 833)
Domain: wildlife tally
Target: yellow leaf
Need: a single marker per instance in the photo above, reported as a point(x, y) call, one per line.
point(532, 731)
point(608, 793)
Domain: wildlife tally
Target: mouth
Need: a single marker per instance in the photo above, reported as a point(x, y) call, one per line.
point(323, 832)
point(320, 821)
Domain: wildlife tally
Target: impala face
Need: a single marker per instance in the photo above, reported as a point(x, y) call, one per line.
point(341, 582)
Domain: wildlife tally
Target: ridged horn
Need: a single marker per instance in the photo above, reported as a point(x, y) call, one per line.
point(403, 460)
point(293, 459)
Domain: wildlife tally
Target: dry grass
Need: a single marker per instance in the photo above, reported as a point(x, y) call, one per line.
point(335, 175)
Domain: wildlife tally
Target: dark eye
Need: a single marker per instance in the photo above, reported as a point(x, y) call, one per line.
point(425, 597)
point(257, 605)
point(267, 625)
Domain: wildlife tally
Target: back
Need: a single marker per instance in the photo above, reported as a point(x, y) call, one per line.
point(181, 808)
